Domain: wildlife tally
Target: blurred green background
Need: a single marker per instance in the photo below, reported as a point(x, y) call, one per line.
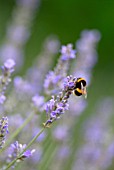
point(66, 19)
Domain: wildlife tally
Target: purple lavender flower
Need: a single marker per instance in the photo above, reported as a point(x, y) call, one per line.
point(59, 104)
point(54, 79)
point(15, 150)
point(3, 130)
point(87, 54)
point(5, 78)
point(27, 154)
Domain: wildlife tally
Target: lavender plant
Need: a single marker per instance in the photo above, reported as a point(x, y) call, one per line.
point(54, 79)
point(62, 89)
point(38, 99)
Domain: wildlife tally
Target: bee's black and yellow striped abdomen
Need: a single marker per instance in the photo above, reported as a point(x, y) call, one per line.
point(80, 82)
point(77, 92)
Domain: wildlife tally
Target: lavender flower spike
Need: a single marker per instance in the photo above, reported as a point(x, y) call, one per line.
point(54, 79)
point(3, 130)
point(59, 104)
point(16, 149)
point(5, 78)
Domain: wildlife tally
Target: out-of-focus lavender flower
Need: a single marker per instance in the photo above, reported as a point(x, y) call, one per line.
point(28, 3)
point(10, 51)
point(18, 31)
point(61, 156)
point(98, 148)
point(63, 152)
point(60, 133)
point(16, 149)
point(86, 59)
point(2, 99)
point(38, 101)
point(51, 45)
point(86, 54)
point(15, 121)
point(5, 78)
point(3, 130)
point(78, 105)
point(54, 79)
point(36, 74)
point(51, 80)
point(23, 87)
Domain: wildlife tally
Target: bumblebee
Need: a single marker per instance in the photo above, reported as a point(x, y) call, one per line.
point(80, 87)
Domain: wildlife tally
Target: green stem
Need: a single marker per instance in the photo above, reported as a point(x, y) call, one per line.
point(17, 131)
point(30, 143)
